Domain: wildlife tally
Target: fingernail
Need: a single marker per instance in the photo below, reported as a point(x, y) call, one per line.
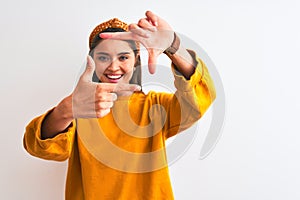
point(88, 59)
point(115, 97)
point(138, 88)
point(101, 35)
point(105, 35)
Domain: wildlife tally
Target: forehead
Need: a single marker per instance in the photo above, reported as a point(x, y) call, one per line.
point(113, 46)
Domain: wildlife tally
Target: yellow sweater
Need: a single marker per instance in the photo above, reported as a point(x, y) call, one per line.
point(122, 155)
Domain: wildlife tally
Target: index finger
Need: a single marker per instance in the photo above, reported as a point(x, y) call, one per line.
point(152, 18)
point(117, 35)
point(117, 87)
point(127, 87)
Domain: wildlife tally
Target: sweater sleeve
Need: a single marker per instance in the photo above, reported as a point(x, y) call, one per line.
point(57, 148)
point(191, 99)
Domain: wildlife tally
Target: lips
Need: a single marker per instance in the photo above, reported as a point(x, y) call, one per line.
point(114, 76)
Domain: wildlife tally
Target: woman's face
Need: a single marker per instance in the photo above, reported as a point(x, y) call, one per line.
point(114, 61)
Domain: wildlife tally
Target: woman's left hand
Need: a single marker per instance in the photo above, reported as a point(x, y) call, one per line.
point(154, 33)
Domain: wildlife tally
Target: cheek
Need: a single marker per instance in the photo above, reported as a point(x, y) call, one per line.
point(99, 71)
point(99, 68)
point(129, 66)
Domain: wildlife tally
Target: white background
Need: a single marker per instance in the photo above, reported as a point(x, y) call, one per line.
point(255, 46)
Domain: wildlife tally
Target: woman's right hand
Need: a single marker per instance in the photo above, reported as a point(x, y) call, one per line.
point(89, 100)
point(94, 100)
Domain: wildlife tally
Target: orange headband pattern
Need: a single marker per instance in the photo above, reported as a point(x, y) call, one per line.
point(113, 23)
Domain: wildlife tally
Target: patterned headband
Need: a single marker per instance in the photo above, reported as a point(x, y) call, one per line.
point(113, 23)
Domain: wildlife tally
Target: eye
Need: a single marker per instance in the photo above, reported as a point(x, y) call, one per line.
point(103, 58)
point(123, 57)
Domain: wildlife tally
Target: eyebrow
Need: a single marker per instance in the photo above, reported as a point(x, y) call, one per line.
point(104, 53)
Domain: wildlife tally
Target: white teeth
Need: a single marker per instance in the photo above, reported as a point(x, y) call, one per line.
point(114, 76)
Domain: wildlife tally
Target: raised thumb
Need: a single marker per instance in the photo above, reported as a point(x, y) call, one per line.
point(89, 70)
point(152, 62)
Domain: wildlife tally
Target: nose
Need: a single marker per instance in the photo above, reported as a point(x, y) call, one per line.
point(114, 65)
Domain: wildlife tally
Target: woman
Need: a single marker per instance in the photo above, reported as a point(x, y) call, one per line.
point(112, 133)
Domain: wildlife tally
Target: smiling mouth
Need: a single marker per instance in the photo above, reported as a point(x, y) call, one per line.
point(114, 76)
